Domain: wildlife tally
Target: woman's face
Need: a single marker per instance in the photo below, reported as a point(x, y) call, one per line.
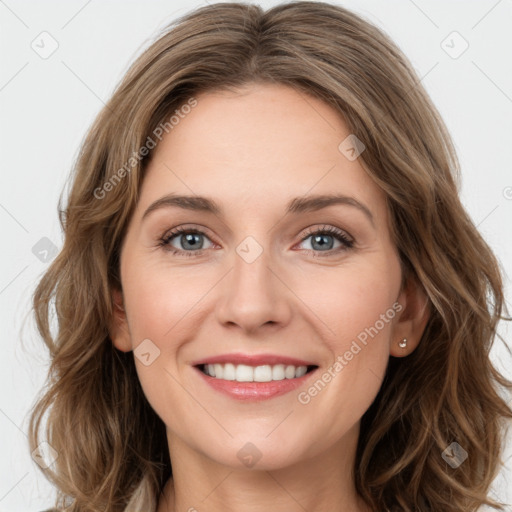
point(255, 266)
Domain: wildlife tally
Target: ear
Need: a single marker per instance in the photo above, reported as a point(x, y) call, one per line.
point(412, 319)
point(118, 328)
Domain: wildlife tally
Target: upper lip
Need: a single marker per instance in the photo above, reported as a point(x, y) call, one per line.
point(253, 360)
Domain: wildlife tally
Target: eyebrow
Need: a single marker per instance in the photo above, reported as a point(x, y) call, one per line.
point(295, 206)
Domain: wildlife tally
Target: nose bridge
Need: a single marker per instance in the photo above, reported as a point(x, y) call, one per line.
point(251, 267)
point(252, 294)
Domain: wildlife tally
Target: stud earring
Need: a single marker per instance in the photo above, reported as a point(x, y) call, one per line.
point(403, 343)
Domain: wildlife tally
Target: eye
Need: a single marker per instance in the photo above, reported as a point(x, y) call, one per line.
point(323, 240)
point(190, 241)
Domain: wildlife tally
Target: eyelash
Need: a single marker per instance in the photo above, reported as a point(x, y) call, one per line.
point(326, 230)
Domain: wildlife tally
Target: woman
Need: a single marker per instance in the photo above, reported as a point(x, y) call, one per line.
point(269, 282)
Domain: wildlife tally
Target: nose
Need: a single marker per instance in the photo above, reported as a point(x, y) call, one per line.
point(254, 296)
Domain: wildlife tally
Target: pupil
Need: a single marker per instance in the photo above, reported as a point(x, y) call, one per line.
point(190, 239)
point(321, 239)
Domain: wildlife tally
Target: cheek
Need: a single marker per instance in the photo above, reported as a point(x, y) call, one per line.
point(364, 313)
point(161, 301)
point(162, 306)
point(359, 311)
point(354, 303)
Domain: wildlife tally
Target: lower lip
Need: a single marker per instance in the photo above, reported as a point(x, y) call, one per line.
point(254, 391)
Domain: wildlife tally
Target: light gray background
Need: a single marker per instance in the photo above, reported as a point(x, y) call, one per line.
point(47, 105)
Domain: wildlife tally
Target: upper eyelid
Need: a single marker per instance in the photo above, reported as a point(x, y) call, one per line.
point(185, 229)
point(203, 230)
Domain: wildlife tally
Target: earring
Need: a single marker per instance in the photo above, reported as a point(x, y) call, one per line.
point(403, 343)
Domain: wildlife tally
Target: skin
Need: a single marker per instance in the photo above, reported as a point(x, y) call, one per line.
point(253, 151)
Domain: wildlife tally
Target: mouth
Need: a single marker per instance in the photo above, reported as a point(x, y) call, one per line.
point(254, 377)
point(261, 373)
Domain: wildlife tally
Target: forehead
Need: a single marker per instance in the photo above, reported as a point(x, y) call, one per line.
point(262, 144)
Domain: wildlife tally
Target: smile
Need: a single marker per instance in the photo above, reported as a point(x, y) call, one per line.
point(245, 373)
point(253, 377)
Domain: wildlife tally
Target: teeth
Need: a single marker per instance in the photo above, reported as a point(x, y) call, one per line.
point(226, 372)
point(263, 373)
point(245, 373)
point(301, 370)
point(278, 372)
point(289, 372)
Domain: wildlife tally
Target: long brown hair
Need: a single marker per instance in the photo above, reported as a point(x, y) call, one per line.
point(111, 445)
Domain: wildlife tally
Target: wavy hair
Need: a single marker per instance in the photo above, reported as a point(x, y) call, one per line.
point(112, 449)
